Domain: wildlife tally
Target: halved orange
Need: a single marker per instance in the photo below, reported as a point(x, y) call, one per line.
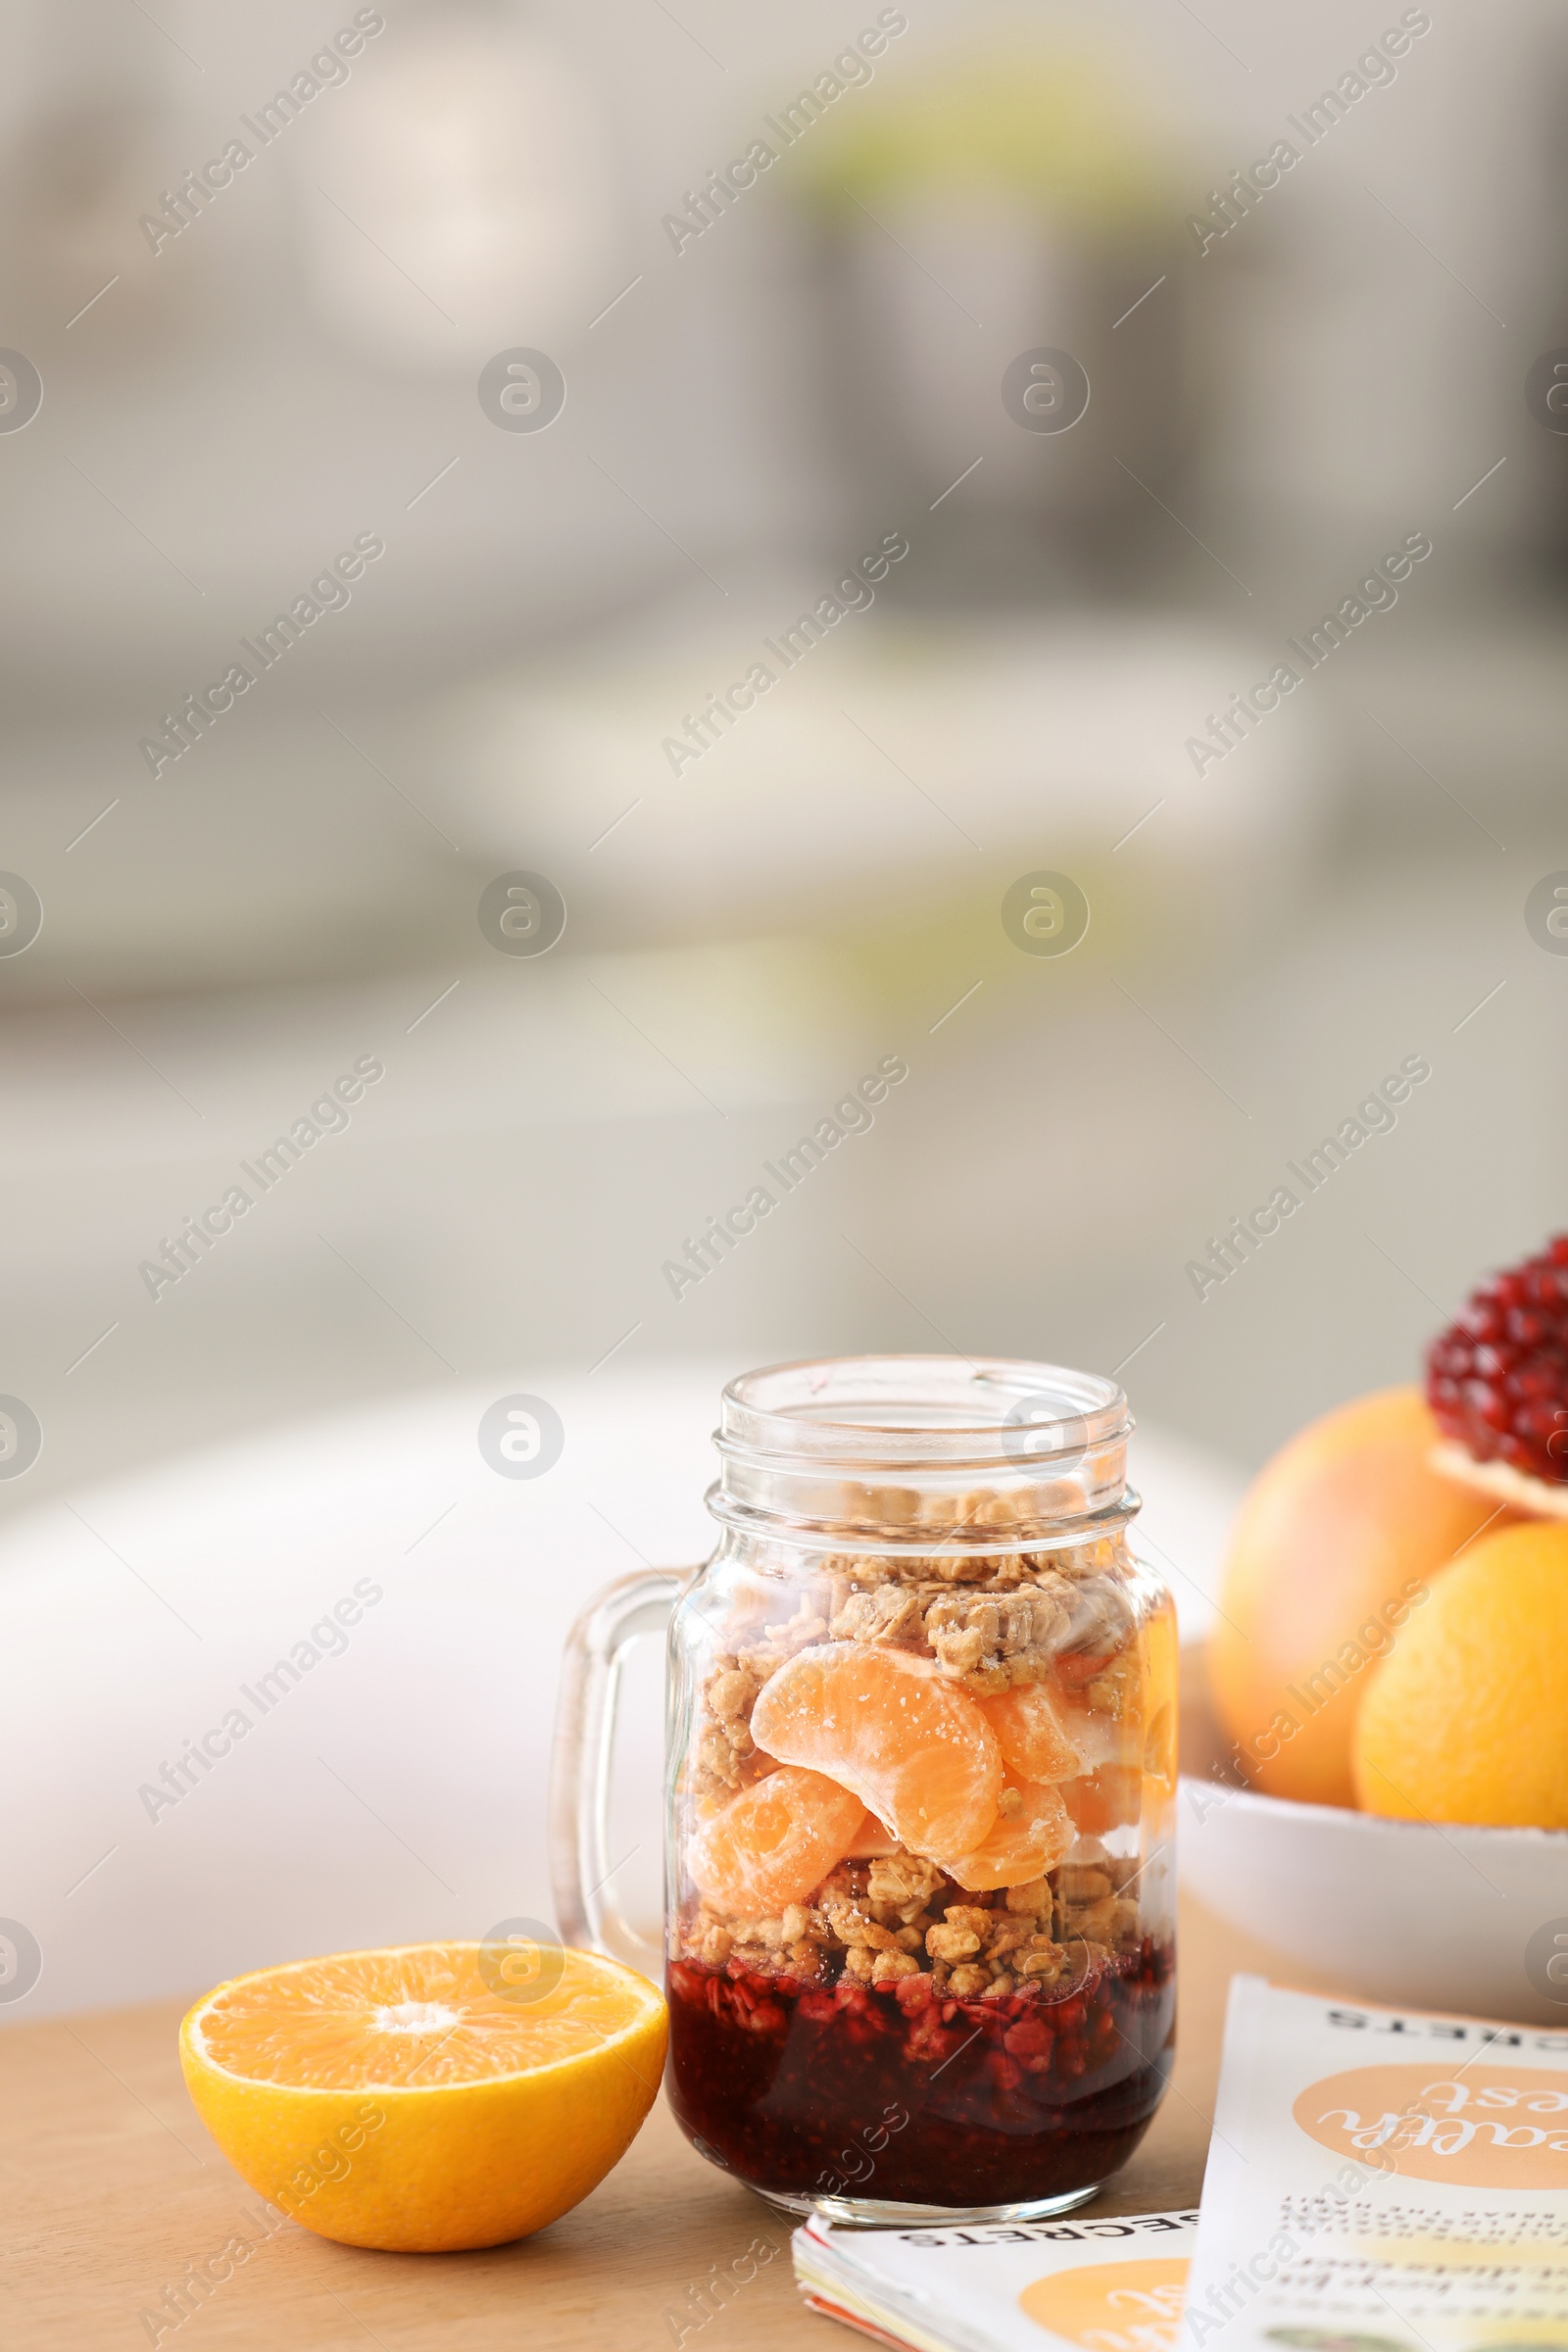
point(423, 2099)
point(1021, 1846)
point(775, 1841)
point(916, 1750)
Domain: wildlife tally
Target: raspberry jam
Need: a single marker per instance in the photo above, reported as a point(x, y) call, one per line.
point(889, 2094)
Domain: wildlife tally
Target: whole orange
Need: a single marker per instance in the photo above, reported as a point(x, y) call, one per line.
point(1332, 1555)
point(1468, 1720)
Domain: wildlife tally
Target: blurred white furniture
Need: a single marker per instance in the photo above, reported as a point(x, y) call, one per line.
point(395, 1788)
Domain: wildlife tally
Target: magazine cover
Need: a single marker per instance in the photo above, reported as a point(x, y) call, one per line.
point(1111, 2284)
point(1386, 2178)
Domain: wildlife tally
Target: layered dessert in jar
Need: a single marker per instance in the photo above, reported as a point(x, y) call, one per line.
point(920, 1941)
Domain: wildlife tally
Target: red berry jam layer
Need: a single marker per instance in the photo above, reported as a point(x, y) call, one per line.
point(889, 2092)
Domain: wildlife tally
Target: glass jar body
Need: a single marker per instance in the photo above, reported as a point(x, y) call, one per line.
point(920, 1893)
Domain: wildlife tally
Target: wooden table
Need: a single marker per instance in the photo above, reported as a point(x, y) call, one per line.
point(111, 2187)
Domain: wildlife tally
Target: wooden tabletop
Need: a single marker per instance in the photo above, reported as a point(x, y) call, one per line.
point(111, 2187)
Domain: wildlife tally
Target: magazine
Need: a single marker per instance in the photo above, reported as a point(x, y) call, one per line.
point(1382, 2181)
point(1110, 2284)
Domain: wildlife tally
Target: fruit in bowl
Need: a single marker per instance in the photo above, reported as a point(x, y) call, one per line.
point(1336, 1548)
point(1380, 1789)
point(1454, 1917)
point(1467, 1719)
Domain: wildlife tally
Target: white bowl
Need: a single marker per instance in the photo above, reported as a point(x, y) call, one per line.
point(1401, 1912)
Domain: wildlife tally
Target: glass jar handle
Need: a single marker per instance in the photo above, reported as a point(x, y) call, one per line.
point(581, 1866)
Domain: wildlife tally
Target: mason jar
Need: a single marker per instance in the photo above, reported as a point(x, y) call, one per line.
point(920, 1797)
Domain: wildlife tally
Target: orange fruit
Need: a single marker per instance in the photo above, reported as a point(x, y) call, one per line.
point(775, 1841)
point(399, 2099)
point(1468, 1719)
point(1339, 1534)
point(1021, 1845)
point(912, 1747)
point(1033, 1744)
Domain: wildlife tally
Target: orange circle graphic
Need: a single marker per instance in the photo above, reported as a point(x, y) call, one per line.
point(1480, 2126)
point(1112, 2306)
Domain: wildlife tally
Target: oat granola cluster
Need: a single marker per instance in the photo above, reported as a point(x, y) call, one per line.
point(899, 1916)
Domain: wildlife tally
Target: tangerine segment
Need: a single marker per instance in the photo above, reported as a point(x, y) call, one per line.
point(870, 1840)
point(1160, 1748)
point(1033, 1742)
point(1097, 1737)
point(1022, 1846)
point(1104, 1799)
point(775, 1841)
point(427, 2099)
point(913, 1749)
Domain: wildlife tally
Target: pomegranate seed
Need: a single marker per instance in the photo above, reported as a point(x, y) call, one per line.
point(1498, 1378)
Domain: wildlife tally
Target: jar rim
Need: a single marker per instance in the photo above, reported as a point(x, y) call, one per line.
point(919, 1412)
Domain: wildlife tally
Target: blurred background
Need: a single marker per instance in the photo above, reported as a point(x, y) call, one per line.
point(767, 379)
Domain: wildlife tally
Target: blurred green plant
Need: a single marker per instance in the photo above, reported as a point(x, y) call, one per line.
point(1054, 128)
